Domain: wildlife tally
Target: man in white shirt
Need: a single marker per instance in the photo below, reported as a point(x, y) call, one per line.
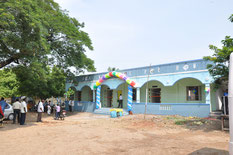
point(23, 110)
point(40, 110)
point(70, 105)
point(16, 108)
point(120, 105)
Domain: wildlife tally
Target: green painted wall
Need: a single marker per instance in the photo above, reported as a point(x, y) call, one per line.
point(213, 99)
point(175, 93)
point(169, 94)
point(86, 94)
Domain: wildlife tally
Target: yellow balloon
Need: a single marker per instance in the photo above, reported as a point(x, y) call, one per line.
point(98, 83)
point(118, 74)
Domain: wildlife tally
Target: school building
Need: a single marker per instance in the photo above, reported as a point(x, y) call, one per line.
point(182, 88)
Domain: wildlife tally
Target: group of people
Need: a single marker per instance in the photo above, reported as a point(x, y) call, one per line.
point(19, 108)
point(49, 108)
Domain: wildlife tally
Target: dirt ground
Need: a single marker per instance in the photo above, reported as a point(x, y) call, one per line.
point(86, 133)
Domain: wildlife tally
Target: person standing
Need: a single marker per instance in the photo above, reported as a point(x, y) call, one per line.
point(3, 104)
point(45, 106)
point(16, 108)
point(120, 105)
point(58, 109)
point(40, 110)
point(23, 111)
point(51, 105)
point(49, 109)
point(70, 105)
point(1, 116)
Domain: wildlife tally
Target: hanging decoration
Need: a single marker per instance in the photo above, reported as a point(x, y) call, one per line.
point(114, 74)
point(207, 90)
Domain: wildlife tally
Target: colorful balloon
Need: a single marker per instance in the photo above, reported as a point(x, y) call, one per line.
point(125, 78)
point(104, 78)
point(101, 80)
point(128, 81)
point(114, 74)
point(107, 76)
point(110, 74)
point(207, 90)
point(121, 76)
point(133, 84)
point(98, 83)
point(118, 74)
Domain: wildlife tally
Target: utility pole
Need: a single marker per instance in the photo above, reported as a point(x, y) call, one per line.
point(230, 99)
point(147, 91)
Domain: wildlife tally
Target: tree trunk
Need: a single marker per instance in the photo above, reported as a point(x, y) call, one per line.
point(7, 62)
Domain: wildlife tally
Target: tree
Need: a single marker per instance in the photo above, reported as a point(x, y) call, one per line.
point(69, 93)
point(56, 82)
point(40, 81)
point(220, 70)
point(38, 30)
point(9, 84)
point(112, 69)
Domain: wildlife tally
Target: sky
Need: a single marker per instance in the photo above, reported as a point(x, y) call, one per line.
point(136, 33)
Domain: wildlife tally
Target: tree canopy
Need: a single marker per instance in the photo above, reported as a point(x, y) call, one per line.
point(38, 30)
point(113, 69)
point(37, 80)
point(220, 70)
point(9, 85)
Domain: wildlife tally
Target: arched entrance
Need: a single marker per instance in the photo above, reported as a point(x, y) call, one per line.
point(121, 76)
point(87, 94)
point(155, 89)
point(106, 96)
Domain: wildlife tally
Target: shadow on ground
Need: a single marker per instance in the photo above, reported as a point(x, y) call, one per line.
point(209, 151)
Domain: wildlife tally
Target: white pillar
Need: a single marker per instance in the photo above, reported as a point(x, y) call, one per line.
point(93, 95)
point(138, 95)
point(207, 95)
point(230, 103)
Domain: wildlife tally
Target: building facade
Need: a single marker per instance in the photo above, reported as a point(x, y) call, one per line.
point(182, 88)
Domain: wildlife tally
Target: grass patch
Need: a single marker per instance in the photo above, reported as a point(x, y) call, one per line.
point(180, 122)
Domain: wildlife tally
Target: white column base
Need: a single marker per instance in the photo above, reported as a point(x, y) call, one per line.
point(230, 148)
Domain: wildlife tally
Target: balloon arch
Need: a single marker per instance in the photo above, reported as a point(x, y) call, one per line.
point(130, 83)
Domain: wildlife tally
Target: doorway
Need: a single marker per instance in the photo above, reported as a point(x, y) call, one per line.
point(155, 95)
point(109, 98)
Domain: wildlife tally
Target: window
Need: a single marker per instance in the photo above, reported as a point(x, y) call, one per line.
point(78, 95)
point(193, 93)
point(91, 95)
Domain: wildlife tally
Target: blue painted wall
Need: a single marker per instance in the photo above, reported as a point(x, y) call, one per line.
point(82, 106)
point(167, 74)
point(183, 109)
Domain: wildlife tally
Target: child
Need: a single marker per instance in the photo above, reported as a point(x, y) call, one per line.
point(58, 108)
point(48, 109)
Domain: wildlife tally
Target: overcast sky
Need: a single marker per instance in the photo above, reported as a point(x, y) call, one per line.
point(136, 33)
